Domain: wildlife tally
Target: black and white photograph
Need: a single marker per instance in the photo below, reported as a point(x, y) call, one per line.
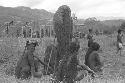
point(62, 41)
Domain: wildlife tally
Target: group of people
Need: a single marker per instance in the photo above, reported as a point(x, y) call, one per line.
point(27, 65)
point(94, 46)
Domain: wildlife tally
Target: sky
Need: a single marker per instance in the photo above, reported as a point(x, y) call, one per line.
point(81, 8)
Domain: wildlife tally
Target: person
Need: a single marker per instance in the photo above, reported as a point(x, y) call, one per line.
point(119, 41)
point(68, 66)
point(92, 59)
point(26, 65)
point(90, 37)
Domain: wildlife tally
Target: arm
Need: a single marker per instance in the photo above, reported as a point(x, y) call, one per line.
point(85, 67)
point(97, 58)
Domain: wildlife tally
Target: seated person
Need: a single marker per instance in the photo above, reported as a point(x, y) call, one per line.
point(92, 59)
point(68, 66)
point(26, 65)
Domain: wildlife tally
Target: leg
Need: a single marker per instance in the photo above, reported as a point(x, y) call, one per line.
point(25, 69)
point(36, 62)
point(25, 72)
point(117, 50)
point(120, 52)
point(18, 72)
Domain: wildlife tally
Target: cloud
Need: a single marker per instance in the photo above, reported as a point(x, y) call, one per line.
point(32, 3)
point(14, 3)
point(86, 8)
point(101, 8)
point(82, 8)
point(10, 3)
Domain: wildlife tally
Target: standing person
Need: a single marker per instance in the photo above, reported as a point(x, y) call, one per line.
point(90, 37)
point(119, 41)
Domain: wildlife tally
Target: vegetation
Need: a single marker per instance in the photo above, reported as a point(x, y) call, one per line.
point(12, 49)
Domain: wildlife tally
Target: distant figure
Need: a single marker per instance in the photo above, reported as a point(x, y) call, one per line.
point(92, 59)
point(55, 40)
point(90, 37)
point(119, 41)
point(26, 66)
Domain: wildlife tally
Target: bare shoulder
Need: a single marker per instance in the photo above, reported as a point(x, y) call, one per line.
point(94, 53)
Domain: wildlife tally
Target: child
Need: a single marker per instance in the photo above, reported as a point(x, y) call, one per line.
point(92, 59)
point(119, 41)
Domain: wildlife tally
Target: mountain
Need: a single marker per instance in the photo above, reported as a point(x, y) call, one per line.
point(22, 13)
point(25, 14)
point(113, 22)
point(102, 25)
point(102, 18)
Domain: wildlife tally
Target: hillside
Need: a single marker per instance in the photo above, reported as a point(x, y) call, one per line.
point(113, 22)
point(23, 14)
point(108, 25)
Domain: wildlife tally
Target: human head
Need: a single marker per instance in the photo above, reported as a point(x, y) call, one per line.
point(95, 46)
point(31, 45)
point(90, 30)
point(119, 31)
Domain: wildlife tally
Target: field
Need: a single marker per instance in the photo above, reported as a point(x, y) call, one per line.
point(114, 65)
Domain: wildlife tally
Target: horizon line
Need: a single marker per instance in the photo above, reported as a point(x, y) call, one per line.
point(97, 17)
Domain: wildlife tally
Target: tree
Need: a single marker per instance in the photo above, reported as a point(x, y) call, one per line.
point(63, 27)
point(90, 22)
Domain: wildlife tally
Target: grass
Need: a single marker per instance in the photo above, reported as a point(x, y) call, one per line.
point(12, 48)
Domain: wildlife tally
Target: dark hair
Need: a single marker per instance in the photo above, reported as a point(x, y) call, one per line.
point(36, 43)
point(90, 30)
point(95, 46)
point(119, 30)
point(33, 43)
point(27, 42)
